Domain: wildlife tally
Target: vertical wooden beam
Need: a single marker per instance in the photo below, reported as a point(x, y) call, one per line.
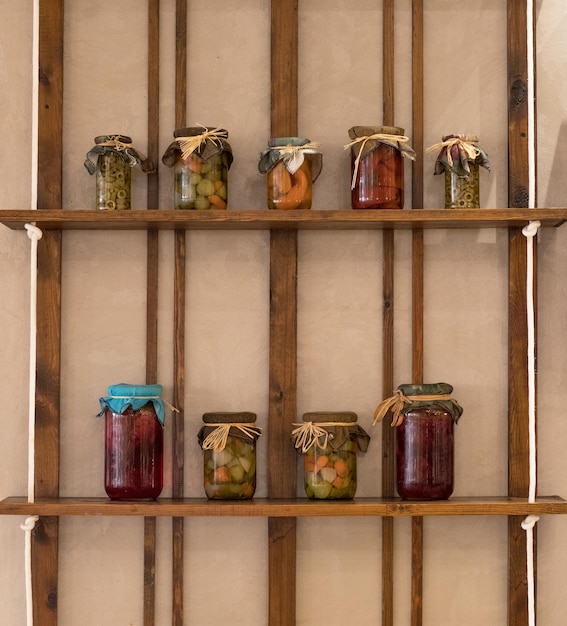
point(417, 282)
point(388, 433)
point(518, 411)
point(45, 537)
point(283, 328)
point(152, 257)
point(178, 430)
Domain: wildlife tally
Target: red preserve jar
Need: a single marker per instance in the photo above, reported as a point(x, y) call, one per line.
point(134, 416)
point(377, 166)
point(425, 416)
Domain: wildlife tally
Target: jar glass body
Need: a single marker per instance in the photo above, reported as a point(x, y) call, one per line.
point(462, 192)
point(200, 184)
point(379, 182)
point(290, 191)
point(425, 454)
point(329, 473)
point(230, 473)
point(113, 182)
point(133, 454)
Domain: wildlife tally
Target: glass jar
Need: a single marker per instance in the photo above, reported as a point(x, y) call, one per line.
point(228, 441)
point(462, 192)
point(201, 158)
point(134, 424)
point(377, 166)
point(291, 165)
point(425, 416)
point(115, 158)
point(329, 442)
point(459, 159)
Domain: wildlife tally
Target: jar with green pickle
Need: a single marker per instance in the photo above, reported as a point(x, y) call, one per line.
point(201, 158)
point(228, 441)
point(111, 161)
point(459, 160)
point(329, 443)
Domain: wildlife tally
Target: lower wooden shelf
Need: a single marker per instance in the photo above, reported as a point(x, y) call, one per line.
point(300, 507)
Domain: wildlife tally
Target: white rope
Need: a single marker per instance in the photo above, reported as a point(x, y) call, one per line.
point(35, 234)
point(28, 527)
point(530, 231)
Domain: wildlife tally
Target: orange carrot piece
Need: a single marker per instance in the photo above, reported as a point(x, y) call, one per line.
point(341, 468)
point(321, 462)
point(217, 201)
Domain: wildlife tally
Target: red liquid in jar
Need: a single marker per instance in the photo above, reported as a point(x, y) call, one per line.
point(380, 180)
point(424, 455)
point(133, 454)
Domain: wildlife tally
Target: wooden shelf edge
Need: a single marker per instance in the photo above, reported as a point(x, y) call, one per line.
point(301, 507)
point(73, 219)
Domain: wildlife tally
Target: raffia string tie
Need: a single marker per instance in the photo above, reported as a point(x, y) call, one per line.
point(188, 145)
point(362, 140)
point(167, 404)
point(216, 439)
point(115, 143)
point(398, 401)
point(467, 147)
point(292, 156)
point(309, 433)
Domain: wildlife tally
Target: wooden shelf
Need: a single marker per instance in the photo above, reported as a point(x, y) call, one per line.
point(301, 507)
point(67, 219)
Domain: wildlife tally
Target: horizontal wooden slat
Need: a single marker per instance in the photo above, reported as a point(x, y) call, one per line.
point(269, 220)
point(302, 507)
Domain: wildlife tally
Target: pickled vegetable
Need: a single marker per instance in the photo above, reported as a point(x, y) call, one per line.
point(290, 191)
point(230, 473)
point(113, 182)
point(200, 184)
point(462, 192)
point(330, 474)
point(380, 179)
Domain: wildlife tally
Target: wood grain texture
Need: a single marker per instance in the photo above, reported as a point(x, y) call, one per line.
point(286, 507)
point(283, 327)
point(314, 219)
point(417, 280)
point(284, 68)
point(152, 262)
point(45, 537)
point(518, 184)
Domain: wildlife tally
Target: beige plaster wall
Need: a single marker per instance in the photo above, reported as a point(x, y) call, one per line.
point(339, 296)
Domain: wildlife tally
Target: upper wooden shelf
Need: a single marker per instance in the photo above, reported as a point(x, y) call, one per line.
point(67, 219)
point(301, 507)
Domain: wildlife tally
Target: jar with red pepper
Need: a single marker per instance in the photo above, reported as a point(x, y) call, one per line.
point(425, 416)
point(377, 166)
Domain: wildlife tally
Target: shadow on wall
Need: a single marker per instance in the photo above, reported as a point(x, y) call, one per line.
point(556, 195)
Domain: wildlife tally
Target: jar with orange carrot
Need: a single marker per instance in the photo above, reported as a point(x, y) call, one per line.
point(377, 166)
point(329, 443)
point(201, 158)
point(228, 441)
point(291, 165)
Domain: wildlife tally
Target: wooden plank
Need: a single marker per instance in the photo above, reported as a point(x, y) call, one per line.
point(45, 537)
point(283, 327)
point(388, 433)
point(178, 429)
point(287, 507)
point(152, 260)
point(417, 282)
point(284, 68)
point(314, 219)
point(518, 185)
point(282, 412)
